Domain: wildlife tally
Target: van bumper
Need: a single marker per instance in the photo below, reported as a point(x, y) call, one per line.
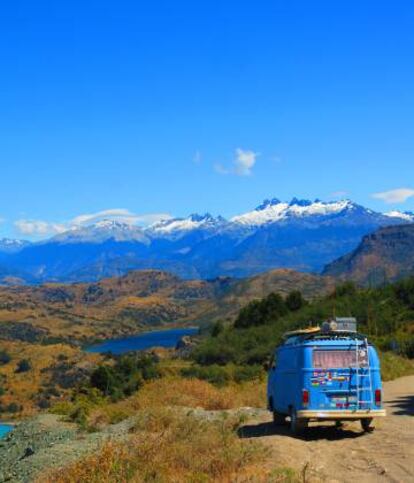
point(341, 414)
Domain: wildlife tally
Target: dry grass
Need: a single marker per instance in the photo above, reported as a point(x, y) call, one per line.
point(174, 391)
point(22, 388)
point(168, 446)
point(393, 366)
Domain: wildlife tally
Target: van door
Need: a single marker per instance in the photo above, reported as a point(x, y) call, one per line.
point(333, 379)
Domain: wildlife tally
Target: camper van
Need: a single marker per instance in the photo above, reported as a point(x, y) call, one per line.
point(327, 373)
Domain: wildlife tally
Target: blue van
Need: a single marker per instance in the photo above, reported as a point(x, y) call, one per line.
point(323, 374)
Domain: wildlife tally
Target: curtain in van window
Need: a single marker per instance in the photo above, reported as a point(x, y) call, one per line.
point(332, 359)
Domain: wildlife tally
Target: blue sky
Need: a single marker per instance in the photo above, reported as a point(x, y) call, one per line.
point(178, 107)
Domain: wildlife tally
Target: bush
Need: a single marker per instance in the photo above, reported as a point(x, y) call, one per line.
point(24, 365)
point(217, 328)
point(13, 408)
point(126, 376)
point(247, 373)
point(214, 374)
point(43, 403)
point(5, 357)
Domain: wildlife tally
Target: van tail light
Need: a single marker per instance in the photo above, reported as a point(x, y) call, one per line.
point(305, 397)
point(378, 397)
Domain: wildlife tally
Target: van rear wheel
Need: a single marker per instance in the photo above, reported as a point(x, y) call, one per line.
point(366, 424)
point(297, 425)
point(278, 419)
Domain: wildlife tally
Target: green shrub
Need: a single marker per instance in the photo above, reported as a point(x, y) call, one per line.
point(125, 376)
point(247, 373)
point(5, 357)
point(24, 365)
point(214, 374)
point(13, 408)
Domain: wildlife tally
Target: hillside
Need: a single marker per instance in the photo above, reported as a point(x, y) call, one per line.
point(302, 235)
point(384, 256)
point(133, 302)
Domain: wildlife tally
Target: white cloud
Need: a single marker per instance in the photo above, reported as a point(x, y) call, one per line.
point(243, 163)
point(399, 195)
point(38, 227)
point(114, 214)
point(41, 228)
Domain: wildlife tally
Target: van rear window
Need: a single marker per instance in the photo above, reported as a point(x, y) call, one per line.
point(332, 359)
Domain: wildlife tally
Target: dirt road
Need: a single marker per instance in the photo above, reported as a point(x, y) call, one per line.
point(325, 453)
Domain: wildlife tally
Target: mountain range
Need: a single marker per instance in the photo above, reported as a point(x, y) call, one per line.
point(302, 235)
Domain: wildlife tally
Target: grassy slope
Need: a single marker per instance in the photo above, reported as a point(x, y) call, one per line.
point(125, 305)
point(27, 389)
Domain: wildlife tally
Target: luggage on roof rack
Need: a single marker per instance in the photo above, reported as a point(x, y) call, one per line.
point(339, 325)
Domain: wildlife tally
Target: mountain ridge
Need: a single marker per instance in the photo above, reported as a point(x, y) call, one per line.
point(301, 234)
point(384, 256)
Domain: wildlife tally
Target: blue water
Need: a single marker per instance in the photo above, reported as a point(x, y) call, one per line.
point(4, 429)
point(145, 340)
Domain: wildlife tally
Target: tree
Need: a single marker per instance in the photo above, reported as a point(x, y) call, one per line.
point(295, 301)
point(260, 312)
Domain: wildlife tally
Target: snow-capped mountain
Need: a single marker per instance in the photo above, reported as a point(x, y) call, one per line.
point(10, 245)
point(407, 216)
point(176, 227)
point(102, 231)
point(301, 234)
point(271, 211)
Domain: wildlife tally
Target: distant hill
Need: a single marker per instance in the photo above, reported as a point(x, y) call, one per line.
point(301, 235)
point(133, 302)
point(384, 256)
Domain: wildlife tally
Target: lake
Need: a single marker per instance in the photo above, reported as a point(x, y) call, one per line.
point(4, 429)
point(145, 340)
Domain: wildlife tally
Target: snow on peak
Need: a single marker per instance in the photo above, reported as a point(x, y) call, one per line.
point(11, 245)
point(102, 231)
point(111, 225)
point(406, 215)
point(12, 242)
point(179, 225)
point(275, 210)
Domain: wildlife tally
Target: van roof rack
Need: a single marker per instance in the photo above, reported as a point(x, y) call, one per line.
point(308, 331)
point(338, 325)
point(308, 335)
